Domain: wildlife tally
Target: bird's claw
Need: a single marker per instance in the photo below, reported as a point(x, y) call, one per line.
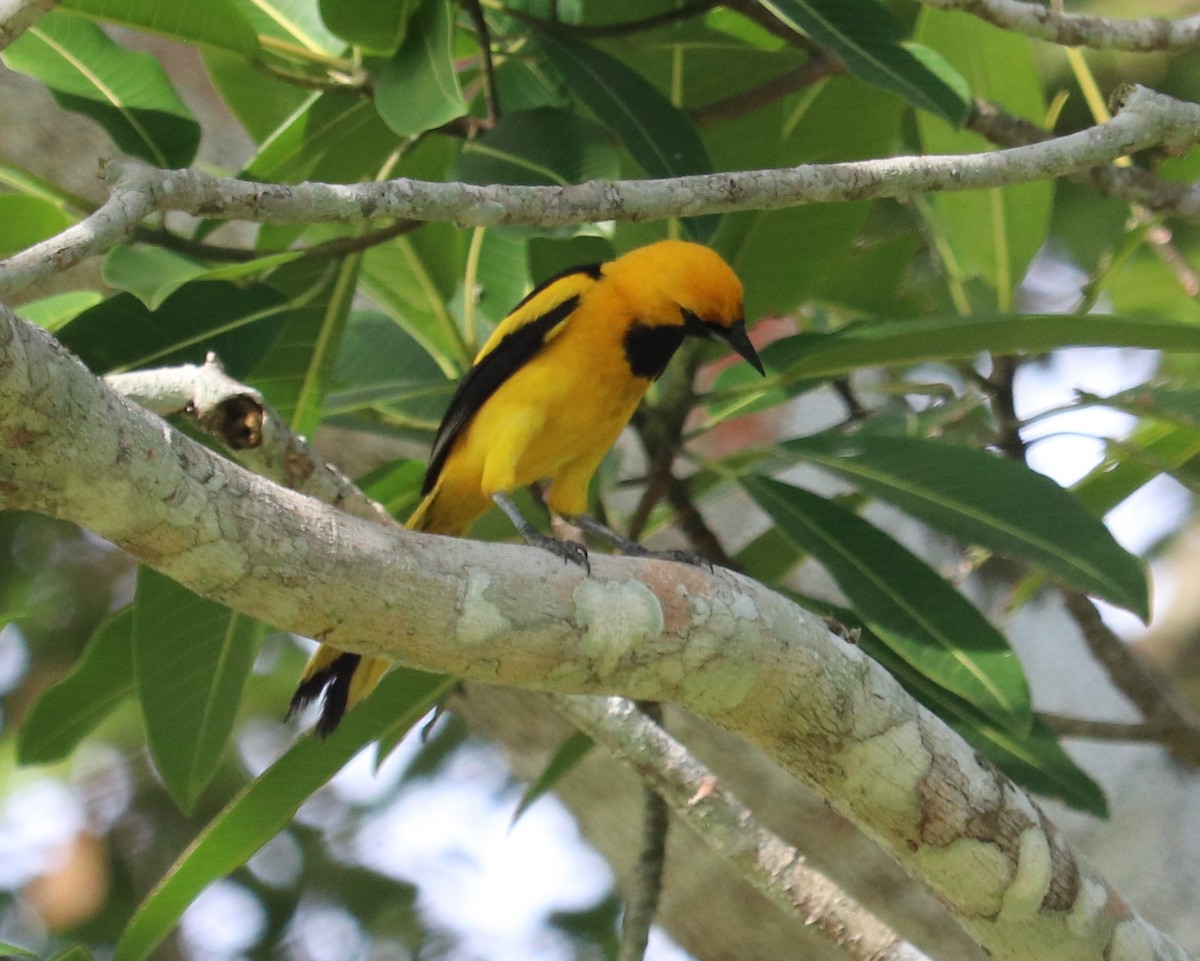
point(570, 551)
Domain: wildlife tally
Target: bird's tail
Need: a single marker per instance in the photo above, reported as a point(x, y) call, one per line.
point(341, 680)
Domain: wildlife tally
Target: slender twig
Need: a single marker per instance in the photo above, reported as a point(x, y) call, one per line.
point(818, 67)
point(759, 14)
point(1081, 29)
point(338, 247)
point(695, 528)
point(1181, 736)
point(1003, 398)
point(1086, 728)
point(491, 95)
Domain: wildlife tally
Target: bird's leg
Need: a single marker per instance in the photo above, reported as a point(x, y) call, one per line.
point(631, 547)
point(567, 550)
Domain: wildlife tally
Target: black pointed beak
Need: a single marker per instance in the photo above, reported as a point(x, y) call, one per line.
point(737, 338)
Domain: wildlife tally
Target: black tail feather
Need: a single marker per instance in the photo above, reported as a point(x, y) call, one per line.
point(332, 686)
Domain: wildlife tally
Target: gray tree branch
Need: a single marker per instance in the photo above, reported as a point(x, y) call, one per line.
point(718, 644)
point(1146, 119)
point(1080, 29)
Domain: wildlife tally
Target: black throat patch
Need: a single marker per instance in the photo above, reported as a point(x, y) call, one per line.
point(649, 349)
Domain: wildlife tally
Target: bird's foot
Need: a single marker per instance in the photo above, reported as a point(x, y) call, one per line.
point(570, 551)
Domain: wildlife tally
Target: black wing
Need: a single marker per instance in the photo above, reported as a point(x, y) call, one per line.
point(506, 358)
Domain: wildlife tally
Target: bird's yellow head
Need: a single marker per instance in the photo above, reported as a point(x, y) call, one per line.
point(681, 290)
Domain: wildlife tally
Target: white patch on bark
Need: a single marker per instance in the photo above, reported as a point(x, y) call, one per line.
point(479, 619)
point(1023, 899)
point(616, 618)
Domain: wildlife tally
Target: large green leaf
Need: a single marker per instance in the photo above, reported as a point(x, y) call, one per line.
point(570, 752)
point(312, 142)
point(213, 23)
point(267, 805)
point(295, 374)
point(871, 41)
point(987, 500)
point(379, 366)
point(369, 23)
point(152, 274)
point(69, 710)
point(906, 604)
point(658, 135)
point(191, 658)
point(239, 323)
point(413, 279)
point(286, 24)
point(992, 233)
point(126, 92)
point(786, 256)
point(418, 88)
point(25, 221)
point(542, 146)
point(898, 343)
point(58, 309)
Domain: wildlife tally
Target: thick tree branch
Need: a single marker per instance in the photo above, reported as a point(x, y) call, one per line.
point(1147, 119)
point(719, 645)
point(17, 16)
point(1081, 29)
point(221, 407)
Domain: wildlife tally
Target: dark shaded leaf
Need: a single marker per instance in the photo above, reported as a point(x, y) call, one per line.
point(191, 659)
point(69, 710)
point(910, 608)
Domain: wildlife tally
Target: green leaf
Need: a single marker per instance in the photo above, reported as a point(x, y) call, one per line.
point(572, 750)
point(542, 146)
point(311, 142)
point(899, 343)
point(817, 237)
point(267, 805)
point(379, 366)
point(239, 323)
point(413, 279)
point(992, 233)
point(76, 952)
point(910, 608)
point(25, 221)
point(152, 274)
point(658, 135)
point(12, 950)
point(295, 374)
point(986, 500)
point(70, 709)
point(58, 309)
point(418, 88)
point(870, 39)
point(126, 92)
point(293, 23)
point(191, 659)
point(1178, 405)
point(369, 23)
point(213, 23)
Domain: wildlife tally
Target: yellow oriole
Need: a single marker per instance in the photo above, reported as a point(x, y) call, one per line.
point(545, 399)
